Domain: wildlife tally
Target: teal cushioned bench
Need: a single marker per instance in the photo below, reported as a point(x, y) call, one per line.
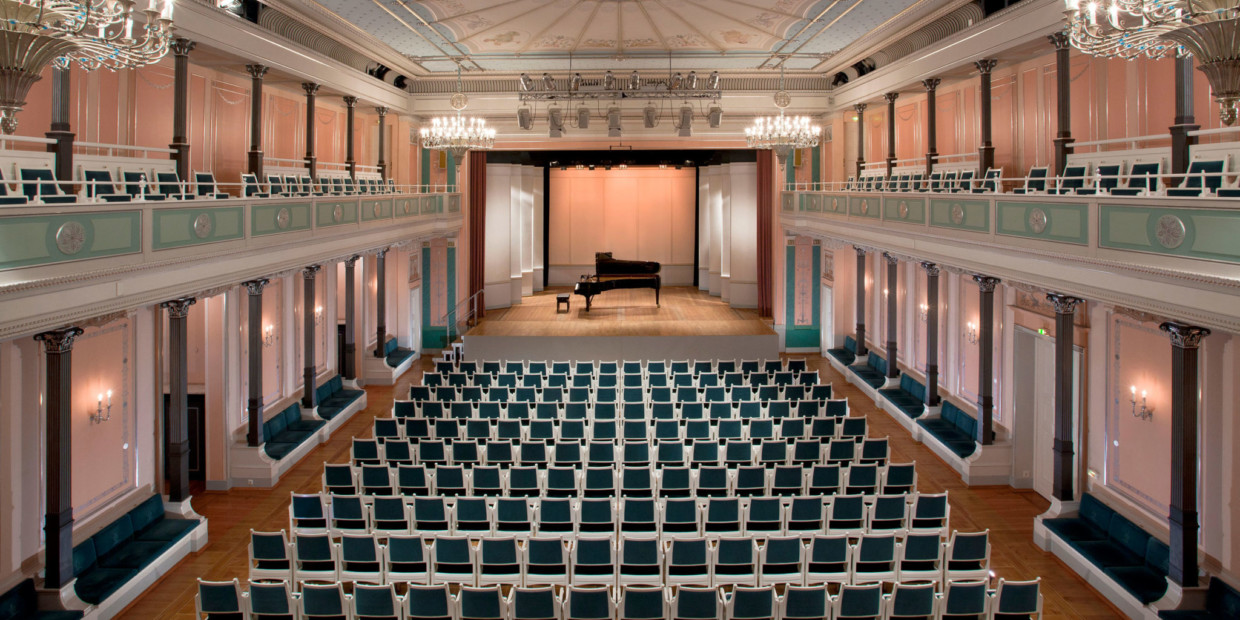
point(1222, 601)
point(873, 372)
point(110, 558)
point(394, 355)
point(21, 603)
point(953, 428)
point(286, 430)
point(910, 397)
point(334, 398)
point(846, 355)
point(1126, 554)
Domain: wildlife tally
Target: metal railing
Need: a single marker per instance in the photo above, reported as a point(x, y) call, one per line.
point(459, 322)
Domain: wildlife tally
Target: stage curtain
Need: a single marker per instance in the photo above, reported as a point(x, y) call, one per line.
point(766, 195)
point(477, 226)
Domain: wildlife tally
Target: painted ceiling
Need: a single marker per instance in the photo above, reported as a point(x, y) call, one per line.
point(543, 35)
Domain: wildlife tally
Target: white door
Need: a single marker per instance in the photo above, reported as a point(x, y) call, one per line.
point(415, 319)
point(1043, 387)
point(826, 328)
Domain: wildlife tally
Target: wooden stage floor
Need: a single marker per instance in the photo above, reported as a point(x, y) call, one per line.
point(683, 311)
point(1008, 513)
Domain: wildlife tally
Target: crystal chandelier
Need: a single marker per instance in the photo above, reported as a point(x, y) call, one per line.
point(782, 133)
point(457, 134)
point(1206, 29)
point(93, 33)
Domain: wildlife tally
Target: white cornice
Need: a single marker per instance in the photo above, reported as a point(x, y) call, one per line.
point(893, 29)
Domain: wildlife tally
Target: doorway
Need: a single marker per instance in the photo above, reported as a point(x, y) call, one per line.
point(196, 412)
point(1033, 400)
point(827, 320)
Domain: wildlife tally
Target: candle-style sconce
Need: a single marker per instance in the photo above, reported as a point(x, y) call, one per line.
point(318, 315)
point(269, 336)
point(1144, 411)
point(923, 312)
point(102, 412)
point(970, 332)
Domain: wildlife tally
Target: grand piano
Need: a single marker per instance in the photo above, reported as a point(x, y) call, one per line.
point(611, 273)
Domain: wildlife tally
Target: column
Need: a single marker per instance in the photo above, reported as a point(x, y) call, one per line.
point(256, 119)
point(58, 516)
point(893, 314)
point(891, 130)
point(985, 152)
point(176, 434)
point(60, 130)
point(380, 300)
point(1065, 327)
point(861, 350)
point(985, 358)
point(932, 334)
point(1184, 119)
point(350, 309)
point(254, 406)
point(312, 160)
point(860, 108)
point(1185, 340)
point(1063, 137)
point(932, 123)
point(382, 112)
point(310, 318)
point(350, 104)
point(181, 47)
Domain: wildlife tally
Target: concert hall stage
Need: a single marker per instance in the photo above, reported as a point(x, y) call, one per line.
point(622, 324)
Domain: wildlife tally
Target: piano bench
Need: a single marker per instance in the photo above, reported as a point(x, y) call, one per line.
point(562, 300)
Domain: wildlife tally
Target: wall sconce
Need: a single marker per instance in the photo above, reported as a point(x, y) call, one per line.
point(318, 315)
point(884, 292)
point(970, 332)
point(1145, 412)
point(102, 413)
point(269, 336)
point(923, 312)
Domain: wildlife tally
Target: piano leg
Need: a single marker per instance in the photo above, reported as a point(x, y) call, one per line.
point(656, 295)
point(589, 298)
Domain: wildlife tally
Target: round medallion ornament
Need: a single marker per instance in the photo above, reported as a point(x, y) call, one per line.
point(282, 218)
point(70, 238)
point(407, 205)
point(957, 214)
point(903, 208)
point(1170, 231)
point(202, 226)
point(458, 101)
point(1038, 220)
point(783, 99)
point(337, 213)
point(377, 210)
point(865, 207)
point(835, 204)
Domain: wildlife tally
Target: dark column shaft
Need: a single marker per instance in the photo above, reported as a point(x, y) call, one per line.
point(1184, 119)
point(382, 139)
point(58, 517)
point(309, 318)
point(350, 104)
point(932, 124)
point(312, 160)
point(932, 334)
point(891, 131)
point(1063, 100)
point(1183, 520)
point(254, 405)
point(380, 300)
point(350, 346)
point(181, 48)
point(893, 315)
point(861, 350)
point(256, 118)
point(860, 108)
point(985, 358)
point(985, 152)
point(1065, 327)
point(176, 435)
point(61, 130)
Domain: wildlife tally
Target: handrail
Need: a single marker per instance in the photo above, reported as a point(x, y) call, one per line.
point(1212, 132)
point(285, 160)
point(29, 139)
point(469, 321)
point(123, 147)
point(1130, 140)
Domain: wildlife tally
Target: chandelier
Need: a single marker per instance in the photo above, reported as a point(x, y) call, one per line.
point(457, 134)
point(93, 33)
point(1206, 29)
point(782, 133)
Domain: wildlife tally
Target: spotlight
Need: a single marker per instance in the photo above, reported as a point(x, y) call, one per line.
point(591, 167)
point(526, 82)
point(555, 119)
point(623, 166)
point(579, 166)
point(635, 81)
point(523, 118)
point(609, 81)
point(712, 82)
point(686, 122)
point(613, 122)
point(691, 81)
point(548, 82)
point(575, 82)
point(553, 163)
point(715, 116)
point(650, 116)
point(583, 117)
point(676, 82)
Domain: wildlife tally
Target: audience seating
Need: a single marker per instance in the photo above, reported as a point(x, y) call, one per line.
point(99, 184)
point(1222, 601)
point(394, 355)
point(333, 397)
point(40, 185)
point(847, 354)
point(286, 430)
point(206, 187)
point(873, 372)
point(250, 187)
point(21, 603)
point(1142, 180)
point(138, 187)
point(953, 428)
point(1204, 178)
point(169, 185)
point(910, 397)
point(1035, 183)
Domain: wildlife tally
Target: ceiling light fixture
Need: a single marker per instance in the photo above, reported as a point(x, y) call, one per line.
point(457, 134)
point(548, 82)
point(782, 134)
point(635, 81)
point(613, 122)
point(583, 117)
point(650, 116)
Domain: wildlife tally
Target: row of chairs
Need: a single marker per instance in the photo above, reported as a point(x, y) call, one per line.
point(1010, 600)
point(651, 380)
point(953, 182)
point(546, 429)
point(633, 389)
point(759, 517)
point(632, 560)
point(522, 409)
point(588, 367)
point(38, 185)
point(575, 454)
point(286, 185)
point(637, 481)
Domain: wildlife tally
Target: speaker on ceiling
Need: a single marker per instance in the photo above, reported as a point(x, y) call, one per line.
point(583, 117)
point(714, 117)
point(555, 119)
point(685, 128)
point(613, 122)
point(523, 118)
point(650, 116)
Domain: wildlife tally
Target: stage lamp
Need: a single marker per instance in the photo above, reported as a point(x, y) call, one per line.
point(686, 122)
point(575, 82)
point(650, 116)
point(635, 81)
point(676, 82)
point(714, 117)
point(712, 82)
point(583, 117)
point(613, 122)
point(691, 82)
point(524, 119)
point(555, 120)
point(548, 82)
point(526, 82)
point(609, 81)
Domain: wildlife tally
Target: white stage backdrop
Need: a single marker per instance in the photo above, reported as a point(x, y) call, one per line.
point(636, 214)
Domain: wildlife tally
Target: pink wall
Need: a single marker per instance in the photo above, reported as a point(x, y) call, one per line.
point(103, 360)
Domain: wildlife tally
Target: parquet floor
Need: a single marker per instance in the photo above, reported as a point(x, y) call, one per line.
point(1007, 512)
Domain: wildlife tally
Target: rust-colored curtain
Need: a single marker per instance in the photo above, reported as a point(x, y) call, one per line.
point(766, 195)
point(477, 226)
